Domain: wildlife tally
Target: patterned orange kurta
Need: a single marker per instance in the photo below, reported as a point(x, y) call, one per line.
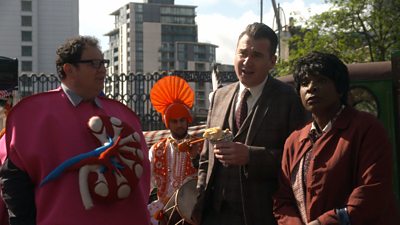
point(170, 167)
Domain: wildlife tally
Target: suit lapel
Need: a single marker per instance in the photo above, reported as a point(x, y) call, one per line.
point(222, 108)
point(231, 119)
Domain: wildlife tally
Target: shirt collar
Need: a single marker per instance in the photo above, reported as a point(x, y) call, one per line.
point(328, 126)
point(254, 91)
point(75, 99)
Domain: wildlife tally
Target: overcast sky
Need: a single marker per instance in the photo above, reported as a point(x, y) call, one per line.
point(219, 21)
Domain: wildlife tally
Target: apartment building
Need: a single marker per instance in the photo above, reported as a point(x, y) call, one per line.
point(31, 30)
point(157, 36)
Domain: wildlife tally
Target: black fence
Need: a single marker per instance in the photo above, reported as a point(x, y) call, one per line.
point(130, 89)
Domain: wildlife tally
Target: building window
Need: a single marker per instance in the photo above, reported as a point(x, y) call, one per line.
point(26, 6)
point(139, 46)
point(139, 66)
point(182, 65)
point(26, 50)
point(139, 37)
point(200, 85)
point(200, 104)
point(26, 35)
point(26, 65)
point(26, 21)
point(177, 19)
point(211, 50)
point(139, 27)
point(139, 18)
point(200, 95)
point(177, 11)
point(182, 56)
point(200, 57)
point(139, 8)
point(164, 66)
point(200, 67)
point(139, 54)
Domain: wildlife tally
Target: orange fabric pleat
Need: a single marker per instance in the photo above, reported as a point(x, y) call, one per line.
point(171, 89)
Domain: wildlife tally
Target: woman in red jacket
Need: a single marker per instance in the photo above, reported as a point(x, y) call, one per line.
point(338, 168)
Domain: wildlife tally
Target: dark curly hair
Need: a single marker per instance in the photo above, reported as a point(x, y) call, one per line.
point(325, 64)
point(260, 31)
point(71, 51)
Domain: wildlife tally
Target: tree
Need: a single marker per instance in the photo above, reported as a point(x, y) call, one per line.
point(355, 30)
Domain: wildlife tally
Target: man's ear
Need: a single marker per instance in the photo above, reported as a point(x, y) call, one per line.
point(67, 68)
point(273, 59)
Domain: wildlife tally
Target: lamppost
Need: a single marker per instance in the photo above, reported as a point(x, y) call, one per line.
point(261, 11)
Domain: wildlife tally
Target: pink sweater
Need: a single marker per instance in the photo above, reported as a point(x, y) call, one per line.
point(3, 209)
point(45, 130)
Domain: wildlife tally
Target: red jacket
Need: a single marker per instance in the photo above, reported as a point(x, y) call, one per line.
point(352, 167)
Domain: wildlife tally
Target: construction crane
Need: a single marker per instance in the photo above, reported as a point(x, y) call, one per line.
point(276, 12)
point(283, 47)
point(277, 15)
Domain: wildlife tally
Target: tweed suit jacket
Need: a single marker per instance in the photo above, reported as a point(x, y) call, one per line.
point(276, 114)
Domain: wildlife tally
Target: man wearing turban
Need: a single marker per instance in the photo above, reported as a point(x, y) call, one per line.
point(174, 160)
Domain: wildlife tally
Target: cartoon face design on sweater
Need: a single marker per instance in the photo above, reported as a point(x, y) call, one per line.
point(110, 172)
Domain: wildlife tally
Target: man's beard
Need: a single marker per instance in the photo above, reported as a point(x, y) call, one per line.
point(179, 135)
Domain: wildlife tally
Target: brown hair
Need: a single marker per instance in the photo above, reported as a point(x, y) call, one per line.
point(261, 31)
point(71, 51)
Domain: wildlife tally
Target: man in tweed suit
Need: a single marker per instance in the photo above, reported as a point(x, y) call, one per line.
point(237, 179)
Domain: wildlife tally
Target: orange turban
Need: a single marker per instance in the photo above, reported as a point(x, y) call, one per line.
point(173, 98)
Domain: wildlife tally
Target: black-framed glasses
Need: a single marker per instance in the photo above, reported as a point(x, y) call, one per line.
point(95, 63)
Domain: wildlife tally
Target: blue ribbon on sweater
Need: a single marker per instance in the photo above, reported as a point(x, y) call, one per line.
point(74, 160)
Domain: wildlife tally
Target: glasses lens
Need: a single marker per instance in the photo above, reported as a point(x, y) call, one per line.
point(97, 63)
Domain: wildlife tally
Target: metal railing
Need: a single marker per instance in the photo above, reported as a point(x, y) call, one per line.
point(130, 89)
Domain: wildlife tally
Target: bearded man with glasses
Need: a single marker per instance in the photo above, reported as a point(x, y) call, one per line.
point(78, 158)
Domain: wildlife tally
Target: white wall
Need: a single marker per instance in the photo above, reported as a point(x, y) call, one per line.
point(10, 20)
point(57, 21)
point(53, 21)
point(151, 46)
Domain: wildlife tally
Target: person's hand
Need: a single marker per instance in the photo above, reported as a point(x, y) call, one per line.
point(232, 153)
point(314, 222)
